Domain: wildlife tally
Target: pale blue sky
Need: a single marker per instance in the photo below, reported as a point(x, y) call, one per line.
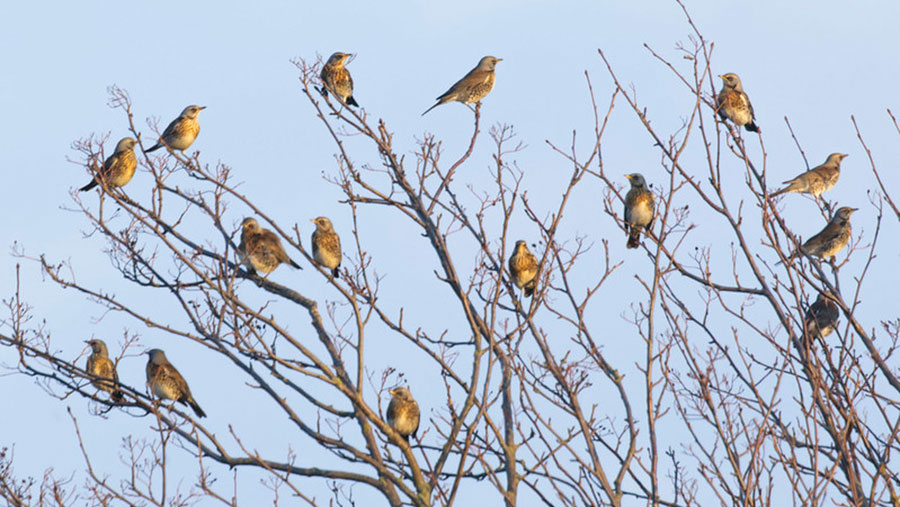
point(815, 62)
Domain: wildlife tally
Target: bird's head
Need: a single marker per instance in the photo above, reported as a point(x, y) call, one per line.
point(97, 346)
point(402, 393)
point(488, 62)
point(126, 143)
point(836, 158)
point(156, 356)
point(322, 223)
point(637, 180)
point(731, 80)
point(192, 111)
point(843, 213)
point(338, 58)
point(250, 225)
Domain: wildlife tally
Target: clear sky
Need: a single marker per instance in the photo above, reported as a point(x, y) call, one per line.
point(815, 62)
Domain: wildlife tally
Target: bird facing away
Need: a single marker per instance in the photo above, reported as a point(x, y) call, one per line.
point(101, 366)
point(822, 317)
point(118, 168)
point(817, 180)
point(733, 104)
point(180, 134)
point(473, 87)
point(326, 245)
point(523, 267)
point(166, 383)
point(336, 79)
point(833, 238)
point(639, 209)
point(403, 413)
point(262, 248)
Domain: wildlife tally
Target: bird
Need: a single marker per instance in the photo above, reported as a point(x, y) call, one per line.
point(821, 317)
point(326, 245)
point(103, 369)
point(832, 239)
point(639, 209)
point(523, 266)
point(817, 180)
point(262, 248)
point(336, 79)
point(403, 413)
point(118, 168)
point(166, 383)
point(733, 104)
point(180, 134)
point(473, 87)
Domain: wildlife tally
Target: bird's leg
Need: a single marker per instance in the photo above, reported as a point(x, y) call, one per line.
point(478, 104)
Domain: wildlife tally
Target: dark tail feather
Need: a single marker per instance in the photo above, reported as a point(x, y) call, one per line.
point(197, 410)
point(430, 108)
point(153, 148)
point(634, 238)
point(118, 395)
point(292, 263)
point(778, 192)
point(351, 101)
point(752, 127)
point(89, 186)
point(336, 272)
point(529, 287)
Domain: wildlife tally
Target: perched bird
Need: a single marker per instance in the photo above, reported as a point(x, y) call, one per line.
point(336, 79)
point(326, 245)
point(262, 248)
point(103, 369)
point(403, 413)
point(473, 87)
point(118, 168)
point(166, 383)
point(733, 104)
point(523, 266)
point(639, 209)
point(822, 317)
point(832, 239)
point(180, 134)
point(817, 180)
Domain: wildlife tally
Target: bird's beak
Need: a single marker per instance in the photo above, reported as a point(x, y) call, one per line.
point(499, 59)
point(629, 176)
point(202, 108)
point(393, 392)
point(844, 155)
point(854, 210)
point(313, 220)
point(87, 341)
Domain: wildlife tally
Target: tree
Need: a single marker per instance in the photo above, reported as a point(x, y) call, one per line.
point(728, 395)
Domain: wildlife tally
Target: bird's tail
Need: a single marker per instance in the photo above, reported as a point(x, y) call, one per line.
point(153, 148)
point(118, 395)
point(752, 127)
point(432, 107)
point(634, 238)
point(197, 410)
point(336, 272)
point(292, 263)
point(351, 101)
point(529, 287)
point(779, 192)
point(89, 186)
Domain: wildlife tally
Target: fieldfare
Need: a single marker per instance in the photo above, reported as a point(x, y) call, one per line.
point(473, 87)
point(639, 209)
point(403, 413)
point(822, 317)
point(733, 104)
point(817, 180)
point(180, 134)
point(336, 79)
point(166, 383)
point(103, 369)
point(523, 266)
point(832, 238)
point(326, 245)
point(118, 168)
point(261, 248)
